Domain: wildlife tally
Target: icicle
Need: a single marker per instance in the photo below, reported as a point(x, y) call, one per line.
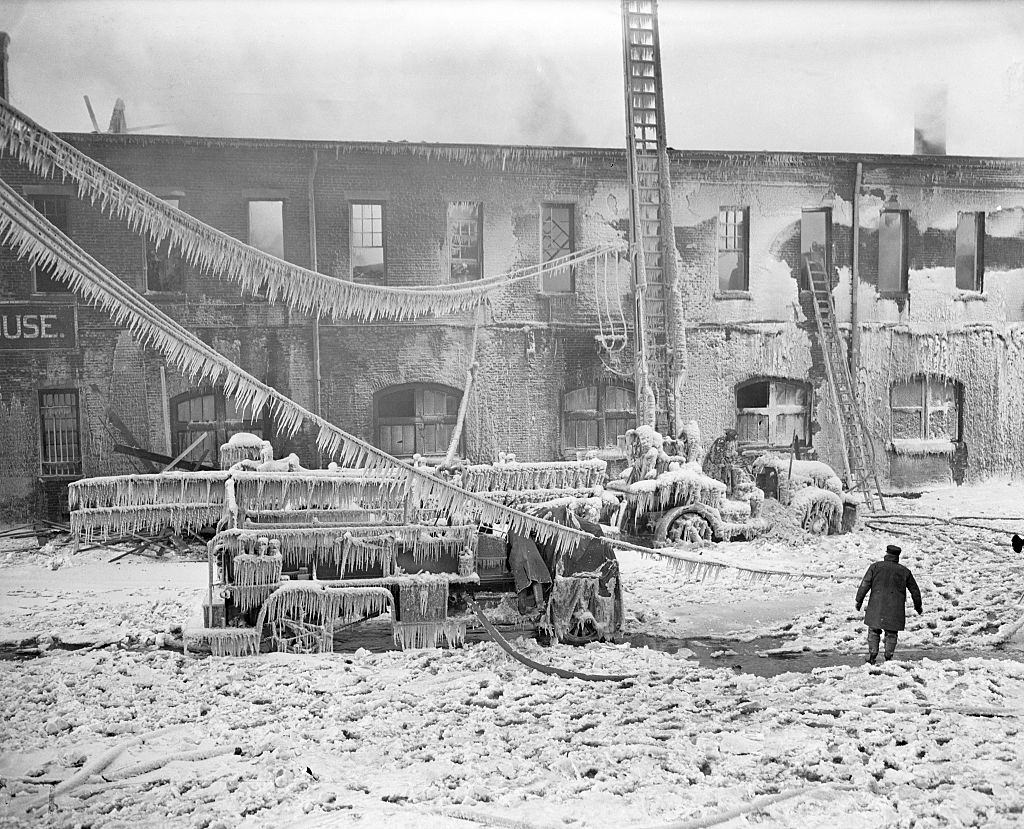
point(450, 632)
point(223, 641)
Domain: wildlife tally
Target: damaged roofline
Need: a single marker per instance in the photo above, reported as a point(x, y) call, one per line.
point(531, 151)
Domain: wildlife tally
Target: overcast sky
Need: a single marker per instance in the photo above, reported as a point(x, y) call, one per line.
point(787, 75)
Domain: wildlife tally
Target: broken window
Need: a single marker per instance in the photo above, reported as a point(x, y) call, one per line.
point(892, 252)
point(165, 266)
point(416, 419)
point(266, 226)
point(61, 447)
point(926, 407)
point(557, 239)
point(55, 211)
point(770, 412)
point(733, 267)
point(366, 242)
point(970, 237)
point(815, 242)
point(205, 420)
point(465, 240)
point(594, 416)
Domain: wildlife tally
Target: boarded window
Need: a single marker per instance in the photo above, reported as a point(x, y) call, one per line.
point(165, 266)
point(61, 447)
point(557, 239)
point(970, 235)
point(416, 419)
point(892, 252)
point(770, 412)
point(366, 242)
point(465, 240)
point(55, 211)
point(733, 269)
point(266, 226)
point(593, 417)
point(208, 419)
point(926, 407)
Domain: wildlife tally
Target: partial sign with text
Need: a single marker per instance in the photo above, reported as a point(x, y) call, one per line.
point(34, 325)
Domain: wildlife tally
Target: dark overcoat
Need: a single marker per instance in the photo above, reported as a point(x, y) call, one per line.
point(888, 581)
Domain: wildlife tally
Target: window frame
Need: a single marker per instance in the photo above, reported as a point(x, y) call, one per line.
point(165, 245)
point(222, 427)
point(418, 420)
point(63, 199)
point(601, 415)
point(772, 410)
point(546, 206)
point(740, 237)
point(75, 462)
point(829, 242)
point(904, 253)
point(479, 205)
point(383, 241)
point(248, 222)
point(926, 408)
point(978, 276)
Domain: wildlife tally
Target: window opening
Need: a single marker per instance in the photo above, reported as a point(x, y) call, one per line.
point(769, 412)
point(733, 273)
point(214, 417)
point(465, 240)
point(815, 240)
point(165, 266)
point(926, 407)
point(366, 242)
point(594, 416)
point(55, 211)
point(266, 226)
point(558, 239)
point(970, 236)
point(61, 449)
point(892, 252)
point(416, 419)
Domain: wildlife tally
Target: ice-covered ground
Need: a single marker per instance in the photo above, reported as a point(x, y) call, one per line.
point(448, 738)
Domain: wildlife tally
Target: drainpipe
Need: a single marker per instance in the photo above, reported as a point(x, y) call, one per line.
point(317, 401)
point(855, 281)
point(5, 87)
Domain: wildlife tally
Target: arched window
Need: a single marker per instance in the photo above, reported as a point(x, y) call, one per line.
point(209, 415)
point(594, 416)
point(926, 407)
point(769, 412)
point(415, 418)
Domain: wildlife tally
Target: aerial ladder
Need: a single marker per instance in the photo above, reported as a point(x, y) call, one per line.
point(659, 335)
point(858, 452)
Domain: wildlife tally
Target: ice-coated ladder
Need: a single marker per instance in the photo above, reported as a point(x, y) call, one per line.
point(858, 453)
point(649, 200)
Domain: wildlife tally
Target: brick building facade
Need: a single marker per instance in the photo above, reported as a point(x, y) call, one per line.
point(938, 310)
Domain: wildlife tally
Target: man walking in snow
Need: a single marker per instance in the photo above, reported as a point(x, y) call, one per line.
point(888, 581)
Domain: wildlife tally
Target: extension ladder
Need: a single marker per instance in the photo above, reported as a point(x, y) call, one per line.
point(858, 453)
point(649, 196)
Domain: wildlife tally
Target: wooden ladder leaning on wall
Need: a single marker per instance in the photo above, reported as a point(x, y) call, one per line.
point(858, 452)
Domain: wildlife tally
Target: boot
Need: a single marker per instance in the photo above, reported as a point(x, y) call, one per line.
point(872, 657)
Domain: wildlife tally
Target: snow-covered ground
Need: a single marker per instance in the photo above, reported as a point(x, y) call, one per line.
point(451, 738)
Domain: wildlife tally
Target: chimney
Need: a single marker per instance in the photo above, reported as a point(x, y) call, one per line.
point(930, 121)
point(4, 90)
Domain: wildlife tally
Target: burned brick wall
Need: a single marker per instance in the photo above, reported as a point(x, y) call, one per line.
point(931, 333)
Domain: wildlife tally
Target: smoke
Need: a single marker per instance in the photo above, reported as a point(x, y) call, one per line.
point(545, 117)
point(930, 120)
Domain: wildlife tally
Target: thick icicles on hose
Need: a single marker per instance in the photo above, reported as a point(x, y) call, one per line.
point(224, 641)
point(450, 633)
point(255, 578)
point(113, 522)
